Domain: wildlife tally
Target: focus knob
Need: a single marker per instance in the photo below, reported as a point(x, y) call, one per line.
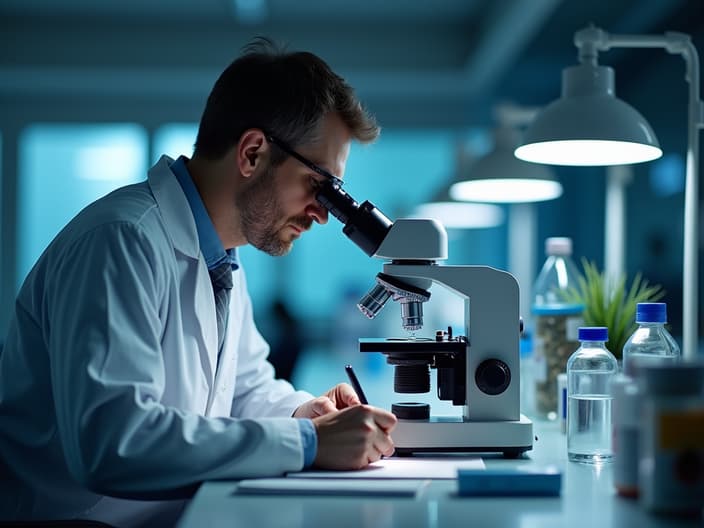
point(493, 376)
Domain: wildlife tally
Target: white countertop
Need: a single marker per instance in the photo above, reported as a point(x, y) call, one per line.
point(587, 500)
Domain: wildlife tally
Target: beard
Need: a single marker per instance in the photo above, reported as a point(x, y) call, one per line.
point(261, 216)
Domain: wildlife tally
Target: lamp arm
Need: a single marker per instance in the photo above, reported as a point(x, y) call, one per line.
point(590, 41)
point(690, 330)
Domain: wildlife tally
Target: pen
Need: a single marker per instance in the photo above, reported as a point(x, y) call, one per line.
point(355, 384)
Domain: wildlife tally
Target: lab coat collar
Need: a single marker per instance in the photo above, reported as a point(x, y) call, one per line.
point(172, 203)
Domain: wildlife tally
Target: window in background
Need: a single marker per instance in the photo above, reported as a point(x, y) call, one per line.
point(174, 140)
point(63, 168)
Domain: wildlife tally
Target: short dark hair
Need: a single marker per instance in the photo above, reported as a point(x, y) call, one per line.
point(285, 94)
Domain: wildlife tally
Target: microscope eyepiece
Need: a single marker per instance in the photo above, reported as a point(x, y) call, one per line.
point(365, 225)
point(340, 204)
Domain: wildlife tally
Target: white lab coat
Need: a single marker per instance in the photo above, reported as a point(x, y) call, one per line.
point(108, 379)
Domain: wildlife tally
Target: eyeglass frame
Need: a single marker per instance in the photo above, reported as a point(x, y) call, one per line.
point(334, 180)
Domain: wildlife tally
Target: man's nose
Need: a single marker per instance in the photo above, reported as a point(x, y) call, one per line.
point(317, 212)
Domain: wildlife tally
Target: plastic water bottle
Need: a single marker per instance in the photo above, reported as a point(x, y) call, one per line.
point(556, 323)
point(589, 373)
point(651, 342)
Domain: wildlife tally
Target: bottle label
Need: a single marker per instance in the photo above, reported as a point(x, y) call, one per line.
point(672, 439)
point(682, 430)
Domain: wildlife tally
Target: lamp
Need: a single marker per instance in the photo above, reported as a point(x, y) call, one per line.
point(589, 126)
point(499, 177)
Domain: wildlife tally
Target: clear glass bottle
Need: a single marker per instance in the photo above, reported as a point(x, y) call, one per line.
point(651, 342)
point(589, 373)
point(556, 322)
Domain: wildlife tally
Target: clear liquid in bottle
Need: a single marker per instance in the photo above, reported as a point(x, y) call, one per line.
point(590, 370)
point(589, 432)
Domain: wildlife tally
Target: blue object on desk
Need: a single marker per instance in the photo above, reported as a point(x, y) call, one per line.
point(529, 482)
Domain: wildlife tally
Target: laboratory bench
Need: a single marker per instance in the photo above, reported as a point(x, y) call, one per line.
point(587, 499)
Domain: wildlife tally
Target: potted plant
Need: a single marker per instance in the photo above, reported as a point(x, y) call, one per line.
point(610, 303)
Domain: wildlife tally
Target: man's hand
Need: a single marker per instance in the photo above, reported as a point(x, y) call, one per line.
point(353, 437)
point(339, 397)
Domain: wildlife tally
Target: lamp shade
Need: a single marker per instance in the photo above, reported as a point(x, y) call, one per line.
point(499, 177)
point(589, 125)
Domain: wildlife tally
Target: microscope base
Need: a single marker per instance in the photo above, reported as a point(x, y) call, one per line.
point(452, 434)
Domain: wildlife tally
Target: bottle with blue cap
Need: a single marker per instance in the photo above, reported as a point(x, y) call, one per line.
point(590, 370)
point(651, 342)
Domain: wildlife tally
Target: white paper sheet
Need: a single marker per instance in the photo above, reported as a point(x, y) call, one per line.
point(343, 487)
point(402, 468)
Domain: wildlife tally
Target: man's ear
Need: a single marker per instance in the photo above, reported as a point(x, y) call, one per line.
point(251, 150)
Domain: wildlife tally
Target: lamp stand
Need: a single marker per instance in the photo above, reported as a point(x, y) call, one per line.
point(590, 41)
point(617, 177)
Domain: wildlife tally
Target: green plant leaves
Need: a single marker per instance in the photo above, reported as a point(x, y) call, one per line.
point(610, 303)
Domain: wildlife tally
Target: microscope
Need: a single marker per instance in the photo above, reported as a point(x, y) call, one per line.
point(478, 371)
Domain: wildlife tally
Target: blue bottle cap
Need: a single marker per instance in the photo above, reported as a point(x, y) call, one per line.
point(593, 333)
point(651, 313)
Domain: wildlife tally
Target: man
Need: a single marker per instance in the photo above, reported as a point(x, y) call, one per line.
point(133, 370)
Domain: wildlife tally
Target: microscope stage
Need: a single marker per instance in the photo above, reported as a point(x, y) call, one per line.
point(421, 345)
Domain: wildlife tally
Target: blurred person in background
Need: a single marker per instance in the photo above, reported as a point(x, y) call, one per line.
point(286, 341)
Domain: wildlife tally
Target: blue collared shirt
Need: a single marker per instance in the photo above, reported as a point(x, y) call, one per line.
point(215, 254)
point(210, 244)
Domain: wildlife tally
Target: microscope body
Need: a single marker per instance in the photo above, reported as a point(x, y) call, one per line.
point(486, 381)
point(478, 371)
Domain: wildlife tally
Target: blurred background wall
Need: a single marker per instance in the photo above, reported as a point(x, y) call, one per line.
point(92, 93)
